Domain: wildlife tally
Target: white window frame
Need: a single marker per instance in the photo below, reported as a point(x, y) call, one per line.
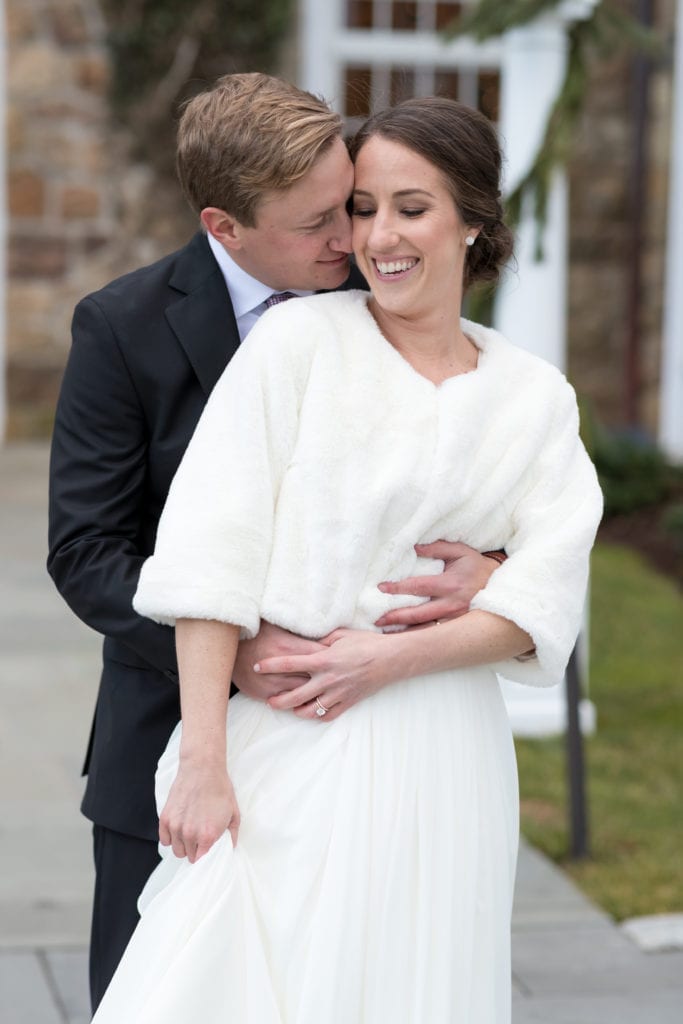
point(328, 47)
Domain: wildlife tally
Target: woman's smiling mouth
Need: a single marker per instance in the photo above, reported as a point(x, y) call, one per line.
point(394, 268)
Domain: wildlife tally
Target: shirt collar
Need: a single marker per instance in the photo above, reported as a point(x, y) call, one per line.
point(246, 293)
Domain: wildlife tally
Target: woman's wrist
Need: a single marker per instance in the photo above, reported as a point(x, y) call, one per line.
point(475, 638)
point(203, 754)
point(407, 654)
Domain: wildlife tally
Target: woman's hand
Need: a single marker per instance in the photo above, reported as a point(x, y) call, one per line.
point(201, 806)
point(353, 664)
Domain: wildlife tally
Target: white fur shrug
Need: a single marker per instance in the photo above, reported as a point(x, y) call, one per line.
point(322, 457)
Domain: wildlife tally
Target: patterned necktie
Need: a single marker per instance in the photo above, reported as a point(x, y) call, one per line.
point(277, 297)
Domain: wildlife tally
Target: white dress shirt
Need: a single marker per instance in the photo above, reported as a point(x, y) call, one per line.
point(248, 295)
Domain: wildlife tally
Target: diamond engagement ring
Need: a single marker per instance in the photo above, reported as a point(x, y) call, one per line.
point(320, 709)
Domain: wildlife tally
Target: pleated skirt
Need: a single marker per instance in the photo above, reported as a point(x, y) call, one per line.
point(372, 879)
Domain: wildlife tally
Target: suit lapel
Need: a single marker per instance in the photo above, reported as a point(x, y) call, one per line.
point(201, 317)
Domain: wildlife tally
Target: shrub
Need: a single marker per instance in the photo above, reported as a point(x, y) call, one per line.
point(633, 472)
point(672, 523)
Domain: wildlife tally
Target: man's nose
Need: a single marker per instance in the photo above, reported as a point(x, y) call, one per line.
point(341, 238)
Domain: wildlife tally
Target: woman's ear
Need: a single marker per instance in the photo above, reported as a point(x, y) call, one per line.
point(222, 226)
point(471, 232)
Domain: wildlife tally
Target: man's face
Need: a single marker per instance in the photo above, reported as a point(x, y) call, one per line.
point(302, 235)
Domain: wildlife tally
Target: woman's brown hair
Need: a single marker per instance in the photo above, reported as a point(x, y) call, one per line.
point(462, 144)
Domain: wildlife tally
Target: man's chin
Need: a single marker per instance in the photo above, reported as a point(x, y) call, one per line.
point(334, 274)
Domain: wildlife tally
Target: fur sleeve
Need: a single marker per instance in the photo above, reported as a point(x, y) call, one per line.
point(542, 585)
point(214, 539)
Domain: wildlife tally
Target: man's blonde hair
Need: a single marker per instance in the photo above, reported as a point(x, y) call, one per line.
point(249, 134)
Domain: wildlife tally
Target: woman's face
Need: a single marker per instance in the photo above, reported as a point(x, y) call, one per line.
point(408, 236)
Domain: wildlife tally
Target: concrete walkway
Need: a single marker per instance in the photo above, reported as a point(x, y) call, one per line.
point(571, 964)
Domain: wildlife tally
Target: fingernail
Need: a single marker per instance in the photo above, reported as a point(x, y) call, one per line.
point(257, 668)
point(381, 586)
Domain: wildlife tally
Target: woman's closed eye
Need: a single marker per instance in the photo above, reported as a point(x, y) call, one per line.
point(369, 212)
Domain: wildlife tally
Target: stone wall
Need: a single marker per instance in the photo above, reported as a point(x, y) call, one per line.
point(601, 236)
point(80, 211)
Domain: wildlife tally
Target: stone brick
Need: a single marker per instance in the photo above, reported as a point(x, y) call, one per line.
point(80, 202)
point(72, 150)
point(25, 194)
point(95, 156)
point(68, 24)
point(93, 73)
point(38, 297)
point(28, 337)
point(30, 421)
point(19, 21)
point(16, 132)
point(658, 186)
point(95, 243)
point(29, 382)
point(82, 113)
point(37, 69)
point(36, 257)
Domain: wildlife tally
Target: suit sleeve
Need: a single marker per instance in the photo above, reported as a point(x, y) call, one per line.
point(97, 487)
point(215, 534)
point(542, 585)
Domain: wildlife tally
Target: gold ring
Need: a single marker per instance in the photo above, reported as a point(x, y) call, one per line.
point(320, 708)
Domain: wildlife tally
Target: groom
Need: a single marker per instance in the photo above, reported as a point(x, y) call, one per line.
point(265, 168)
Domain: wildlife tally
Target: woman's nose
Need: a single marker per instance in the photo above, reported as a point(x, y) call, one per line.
point(384, 235)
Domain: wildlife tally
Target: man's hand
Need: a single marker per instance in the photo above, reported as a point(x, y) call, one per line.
point(200, 808)
point(466, 571)
point(270, 642)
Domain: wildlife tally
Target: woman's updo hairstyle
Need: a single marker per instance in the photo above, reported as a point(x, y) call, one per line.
point(462, 144)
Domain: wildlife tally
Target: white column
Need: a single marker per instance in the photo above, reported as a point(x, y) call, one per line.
point(531, 305)
point(320, 21)
point(3, 222)
point(671, 386)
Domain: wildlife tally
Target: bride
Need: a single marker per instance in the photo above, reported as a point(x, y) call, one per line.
point(354, 862)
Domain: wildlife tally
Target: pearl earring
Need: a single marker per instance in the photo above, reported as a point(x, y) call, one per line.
point(469, 240)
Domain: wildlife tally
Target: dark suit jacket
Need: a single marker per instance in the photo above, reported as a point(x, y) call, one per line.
point(147, 350)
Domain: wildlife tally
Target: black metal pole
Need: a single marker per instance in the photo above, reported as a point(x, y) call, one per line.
point(578, 815)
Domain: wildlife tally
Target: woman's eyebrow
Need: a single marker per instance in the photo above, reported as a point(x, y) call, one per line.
point(399, 194)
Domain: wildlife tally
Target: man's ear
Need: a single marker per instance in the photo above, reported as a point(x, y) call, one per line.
point(223, 226)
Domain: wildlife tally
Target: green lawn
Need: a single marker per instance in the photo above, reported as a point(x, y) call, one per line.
point(635, 759)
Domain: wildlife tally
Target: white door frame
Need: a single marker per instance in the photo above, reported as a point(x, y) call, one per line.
point(671, 373)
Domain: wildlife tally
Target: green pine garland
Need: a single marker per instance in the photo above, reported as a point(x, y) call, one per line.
point(607, 28)
point(492, 18)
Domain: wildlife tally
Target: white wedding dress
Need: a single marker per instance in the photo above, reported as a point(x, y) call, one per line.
point(373, 876)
